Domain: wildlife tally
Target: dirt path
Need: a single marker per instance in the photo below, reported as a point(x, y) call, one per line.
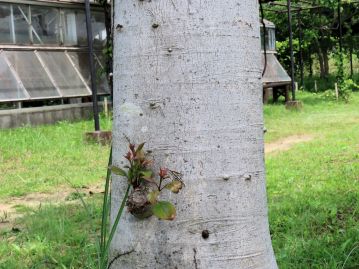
point(8, 206)
point(287, 143)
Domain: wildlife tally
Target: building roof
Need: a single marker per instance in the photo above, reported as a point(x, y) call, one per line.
point(52, 2)
point(274, 73)
point(268, 23)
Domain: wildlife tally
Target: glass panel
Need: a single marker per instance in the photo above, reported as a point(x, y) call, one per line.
point(68, 21)
point(21, 24)
point(5, 24)
point(81, 28)
point(81, 62)
point(262, 38)
point(31, 73)
point(102, 81)
point(63, 73)
point(9, 88)
point(45, 22)
point(74, 28)
point(75, 31)
point(270, 39)
point(98, 29)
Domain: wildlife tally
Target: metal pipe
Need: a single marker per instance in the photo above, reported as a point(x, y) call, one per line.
point(44, 48)
point(279, 4)
point(301, 50)
point(92, 66)
point(291, 46)
point(29, 21)
point(12, 24)
point(341, 69)
point(263, 38)
point(296, 9)
point(340, 27)
point(54, 3)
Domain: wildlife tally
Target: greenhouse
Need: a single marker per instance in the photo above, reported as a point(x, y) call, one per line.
point(44, 51)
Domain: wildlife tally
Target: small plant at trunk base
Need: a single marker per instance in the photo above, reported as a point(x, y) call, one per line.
point(146, 186)
point(142, 201)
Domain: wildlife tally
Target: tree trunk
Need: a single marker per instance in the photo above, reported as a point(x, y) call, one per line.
point(325, 62)
point(310, 65)
point(187, 82)
point(321, 62)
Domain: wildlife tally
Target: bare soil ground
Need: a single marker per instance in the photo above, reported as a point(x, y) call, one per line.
point(8, 212)
point(287, 143)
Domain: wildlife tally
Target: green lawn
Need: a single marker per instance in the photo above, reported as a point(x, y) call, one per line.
point(48, 157)
point(313, 189)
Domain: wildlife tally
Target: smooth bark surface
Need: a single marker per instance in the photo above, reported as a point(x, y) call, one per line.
point(187, 82)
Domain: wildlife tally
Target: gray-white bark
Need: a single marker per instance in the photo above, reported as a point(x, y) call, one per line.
point(190, 88)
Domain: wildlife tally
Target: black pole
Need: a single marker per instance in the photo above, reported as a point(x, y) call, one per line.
point(92, 65)
point(341, 71)
point(291, 46)
point(351, 59)
point(300, 49)
point(340, 27)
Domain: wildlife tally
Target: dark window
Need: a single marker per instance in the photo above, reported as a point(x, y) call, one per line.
point(5, 24)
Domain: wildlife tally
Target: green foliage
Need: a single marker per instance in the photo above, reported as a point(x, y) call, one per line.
point(346, 87)
point(164, 210)
point(142, 202)
point(350, 85)
point(175, 186)
point(319, 27)
point(146, 189)
point(108, 51)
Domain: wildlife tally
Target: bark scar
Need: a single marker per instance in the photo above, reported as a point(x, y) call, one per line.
point(194, 258)
point(119, 255)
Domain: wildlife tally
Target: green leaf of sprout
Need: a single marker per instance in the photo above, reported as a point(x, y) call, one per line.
point(164, 210)
point(118, 171)
point(175, 186)
point(152, 197)
point(147, 175)
point(140, 147)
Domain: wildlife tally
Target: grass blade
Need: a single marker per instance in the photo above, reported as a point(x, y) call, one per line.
point(105, 207)
point(113, 229)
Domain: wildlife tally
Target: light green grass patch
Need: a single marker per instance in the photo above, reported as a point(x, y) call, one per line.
point(53, 237)
point(313, 189)
point(45, 158)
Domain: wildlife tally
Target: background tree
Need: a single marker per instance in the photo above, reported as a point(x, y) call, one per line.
point(187, 82)
point(320, 27)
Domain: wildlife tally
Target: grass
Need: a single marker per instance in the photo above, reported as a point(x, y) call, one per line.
point(53, 237)
point(312, 190)
point(45, 158)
